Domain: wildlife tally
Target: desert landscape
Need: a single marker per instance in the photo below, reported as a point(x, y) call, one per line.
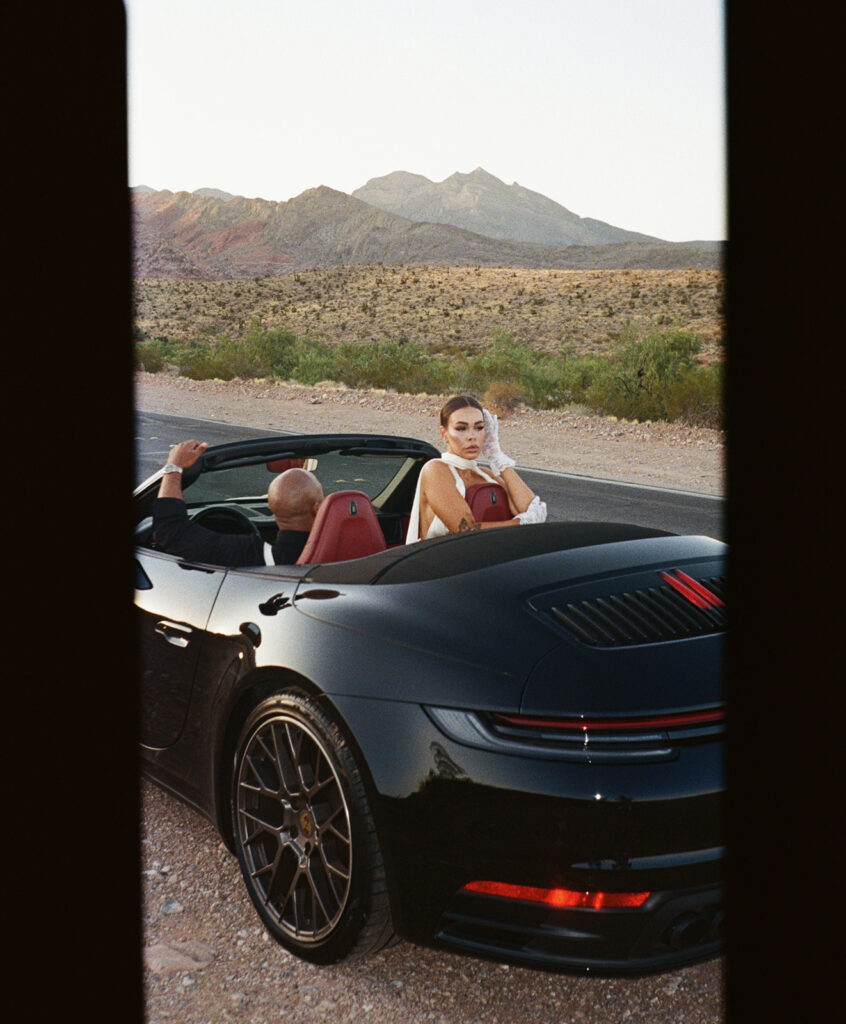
point(444, 308)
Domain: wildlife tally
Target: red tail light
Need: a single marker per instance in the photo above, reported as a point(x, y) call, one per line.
point(559, 897)
point(668, 721)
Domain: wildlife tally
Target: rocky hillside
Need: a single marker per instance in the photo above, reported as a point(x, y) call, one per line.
point(482, 203)
point(444, 308)
point(208, 235)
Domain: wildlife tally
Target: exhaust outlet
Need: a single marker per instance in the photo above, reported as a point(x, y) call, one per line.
point(687, 930)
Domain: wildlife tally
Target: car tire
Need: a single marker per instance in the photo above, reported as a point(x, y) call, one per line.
point(305, 836)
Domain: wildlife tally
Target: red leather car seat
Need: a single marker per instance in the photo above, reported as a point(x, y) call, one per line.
point(280, 465)
point(345, 527)
point(488, 503)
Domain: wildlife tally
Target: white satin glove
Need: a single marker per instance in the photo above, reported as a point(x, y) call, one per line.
point(535, 513)
point(490, 449)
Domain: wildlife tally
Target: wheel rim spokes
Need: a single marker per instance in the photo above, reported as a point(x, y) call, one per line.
point(294, 828)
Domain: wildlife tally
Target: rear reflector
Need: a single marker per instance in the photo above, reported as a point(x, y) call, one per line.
point(559, 897)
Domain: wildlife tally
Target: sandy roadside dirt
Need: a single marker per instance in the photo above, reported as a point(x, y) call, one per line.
point(654, 454)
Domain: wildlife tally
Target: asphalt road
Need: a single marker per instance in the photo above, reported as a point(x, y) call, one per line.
point(567, 497)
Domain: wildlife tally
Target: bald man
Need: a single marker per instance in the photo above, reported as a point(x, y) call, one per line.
point(293, 497)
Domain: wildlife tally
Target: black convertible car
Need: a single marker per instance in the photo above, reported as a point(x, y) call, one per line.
point(507, 743)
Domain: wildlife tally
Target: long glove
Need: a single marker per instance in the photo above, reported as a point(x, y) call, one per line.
point(490, 449)
point(535, 513)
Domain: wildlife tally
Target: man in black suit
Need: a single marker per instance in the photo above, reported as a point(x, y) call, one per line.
point(293, 497)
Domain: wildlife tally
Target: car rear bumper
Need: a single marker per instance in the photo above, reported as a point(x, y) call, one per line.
point(464, 815)
point(670, 930)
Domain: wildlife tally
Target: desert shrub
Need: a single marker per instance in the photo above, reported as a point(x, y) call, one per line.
point(401, 365)
point(149, 356)
point(503, 396)
point(697, 397)
point(154, 354)
point(651, 377)
point(219, 358)
point(509, 362)
point(313, 361)
point(572, 379)
point(634, 382)
point(270, 353)
point(258, 354)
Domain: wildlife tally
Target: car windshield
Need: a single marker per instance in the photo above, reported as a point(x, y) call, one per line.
point(377, 476)
point(238, 474)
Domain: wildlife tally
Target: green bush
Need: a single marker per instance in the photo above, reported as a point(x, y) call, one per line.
point(272, 353)
point(508, 362)
point(697, 398)
point(221, 358)
point(312, 361)
point(153, 355)
point(652, 377)
point(572, 380)
point(402, 365)
point(635, 382)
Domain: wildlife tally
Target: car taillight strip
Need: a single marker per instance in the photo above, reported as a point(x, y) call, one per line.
point(680, 719)
point(559, 897)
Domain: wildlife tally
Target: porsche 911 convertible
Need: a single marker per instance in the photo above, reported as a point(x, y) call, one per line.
point(506, 743)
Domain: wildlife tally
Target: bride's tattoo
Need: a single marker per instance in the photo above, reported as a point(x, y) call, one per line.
point(464, 526)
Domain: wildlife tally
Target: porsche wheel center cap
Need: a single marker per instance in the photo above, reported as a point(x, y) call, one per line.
point(306, 823)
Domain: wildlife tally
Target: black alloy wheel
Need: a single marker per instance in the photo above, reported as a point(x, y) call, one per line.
point(305, 836)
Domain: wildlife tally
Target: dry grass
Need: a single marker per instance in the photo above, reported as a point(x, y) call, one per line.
point(445, 308)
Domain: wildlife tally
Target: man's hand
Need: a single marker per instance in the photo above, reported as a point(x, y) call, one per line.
point(186, 453)
point(183, 455)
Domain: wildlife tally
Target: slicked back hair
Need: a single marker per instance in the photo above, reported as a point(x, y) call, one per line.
point(458, 402)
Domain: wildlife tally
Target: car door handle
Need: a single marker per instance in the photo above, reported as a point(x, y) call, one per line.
point(174, 632)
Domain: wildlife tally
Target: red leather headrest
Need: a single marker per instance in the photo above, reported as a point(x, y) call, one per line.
point(280, 465)
point(488, 503)
point(345, 527)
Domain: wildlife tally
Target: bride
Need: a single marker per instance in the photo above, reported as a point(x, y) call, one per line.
point(439, 507)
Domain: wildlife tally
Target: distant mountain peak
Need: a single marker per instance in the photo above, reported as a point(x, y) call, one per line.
point(480, 174)
point(321, 194)
point(213, 193)
point(478, 201)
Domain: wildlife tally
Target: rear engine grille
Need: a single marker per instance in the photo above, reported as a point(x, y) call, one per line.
point(680, 609)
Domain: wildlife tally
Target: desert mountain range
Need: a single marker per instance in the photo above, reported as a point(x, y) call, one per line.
point(402, 218)
point(482, 203)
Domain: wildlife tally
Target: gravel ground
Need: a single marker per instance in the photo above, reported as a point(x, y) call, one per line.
point(208, 960)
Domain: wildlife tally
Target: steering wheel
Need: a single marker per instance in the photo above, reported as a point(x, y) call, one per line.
point(226, 519)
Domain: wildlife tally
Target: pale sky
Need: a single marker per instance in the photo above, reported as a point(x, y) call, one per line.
point(613, 108)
